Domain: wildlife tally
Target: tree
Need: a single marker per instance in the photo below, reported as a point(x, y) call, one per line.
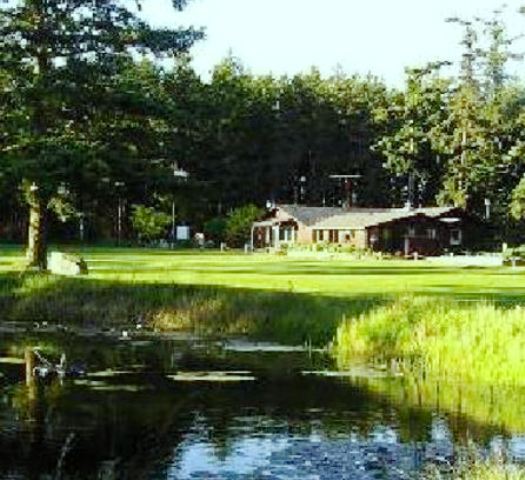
point(411, 145)
point(496, 56)
point(149, 223)
point(477, 133)
point(239, 224)
point(517, 206)
point(62, 59)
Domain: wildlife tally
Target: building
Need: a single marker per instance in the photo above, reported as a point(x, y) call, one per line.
point(427, 231)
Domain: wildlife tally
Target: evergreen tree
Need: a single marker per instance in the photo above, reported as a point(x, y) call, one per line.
point(63, 59)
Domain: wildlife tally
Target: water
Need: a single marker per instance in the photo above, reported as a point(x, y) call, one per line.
point(176, 408)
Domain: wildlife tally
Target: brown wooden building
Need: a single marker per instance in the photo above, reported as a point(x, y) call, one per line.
point(427, 231)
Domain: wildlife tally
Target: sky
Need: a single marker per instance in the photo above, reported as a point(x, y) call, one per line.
point(380, 37)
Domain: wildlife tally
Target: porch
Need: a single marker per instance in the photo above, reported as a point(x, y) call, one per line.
point(273, 233)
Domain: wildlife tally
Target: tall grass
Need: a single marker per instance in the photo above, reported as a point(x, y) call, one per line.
point(209, 310)
point(466, 342)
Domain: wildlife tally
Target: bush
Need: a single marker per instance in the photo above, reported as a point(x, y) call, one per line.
point(148, 223)
point(215, 229)
point(517, 252)
point(239, 224)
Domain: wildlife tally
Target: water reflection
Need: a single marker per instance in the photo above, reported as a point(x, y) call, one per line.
point(131, 418)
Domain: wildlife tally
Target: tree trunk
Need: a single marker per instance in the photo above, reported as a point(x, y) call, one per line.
point(36, 241)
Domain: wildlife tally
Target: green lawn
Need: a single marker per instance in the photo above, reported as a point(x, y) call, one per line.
point(334, 276)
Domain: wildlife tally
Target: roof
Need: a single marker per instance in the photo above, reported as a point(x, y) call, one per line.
point(310, 215)
point(436, 212)
point(357, 218)
point(362, 220)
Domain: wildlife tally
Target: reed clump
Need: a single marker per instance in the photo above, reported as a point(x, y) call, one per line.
point(479, 342)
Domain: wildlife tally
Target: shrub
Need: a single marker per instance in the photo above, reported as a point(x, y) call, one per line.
point(148, 223)
point(239, 224)
point(215, 229)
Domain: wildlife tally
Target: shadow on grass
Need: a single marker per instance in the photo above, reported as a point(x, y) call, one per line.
point(208, 310)
point(289, 317)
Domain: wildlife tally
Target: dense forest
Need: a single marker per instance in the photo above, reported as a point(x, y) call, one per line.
point(102, 115)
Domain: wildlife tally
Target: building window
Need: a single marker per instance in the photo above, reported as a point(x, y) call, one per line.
point(456, 237)
point(431, 233)
point(345, 236)
point(286, 234)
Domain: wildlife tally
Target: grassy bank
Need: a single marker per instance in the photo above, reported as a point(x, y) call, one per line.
point(287, 299)
point(440, 338)
point(209, 310)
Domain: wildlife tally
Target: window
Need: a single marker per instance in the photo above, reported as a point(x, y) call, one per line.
point(345, 236)
point(456, 236)
point(286, 234)
point(431, 233)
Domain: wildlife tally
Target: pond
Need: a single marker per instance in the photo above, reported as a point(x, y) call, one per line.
point(175, 407)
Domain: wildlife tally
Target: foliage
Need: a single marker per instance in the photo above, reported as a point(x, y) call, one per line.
point(517, 206)
point(76, 109)
point(410, 146)
point(443, 339)
point(114, 115)
point(215, 229)
point(149, 223)
point(239, 224)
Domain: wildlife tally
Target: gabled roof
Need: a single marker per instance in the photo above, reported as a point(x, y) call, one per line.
point(357, 218)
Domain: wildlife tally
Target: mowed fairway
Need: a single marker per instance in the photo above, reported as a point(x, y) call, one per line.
point(331, 276)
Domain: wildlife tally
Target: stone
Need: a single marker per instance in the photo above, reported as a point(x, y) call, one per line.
point(60, 263)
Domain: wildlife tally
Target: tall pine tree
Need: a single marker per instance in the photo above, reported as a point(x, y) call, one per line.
point(59, 62)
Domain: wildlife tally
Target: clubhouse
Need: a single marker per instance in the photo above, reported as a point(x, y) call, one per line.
point(427, 231)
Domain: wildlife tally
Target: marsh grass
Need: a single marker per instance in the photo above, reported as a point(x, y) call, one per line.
point(209, 310)
point(468, 342)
